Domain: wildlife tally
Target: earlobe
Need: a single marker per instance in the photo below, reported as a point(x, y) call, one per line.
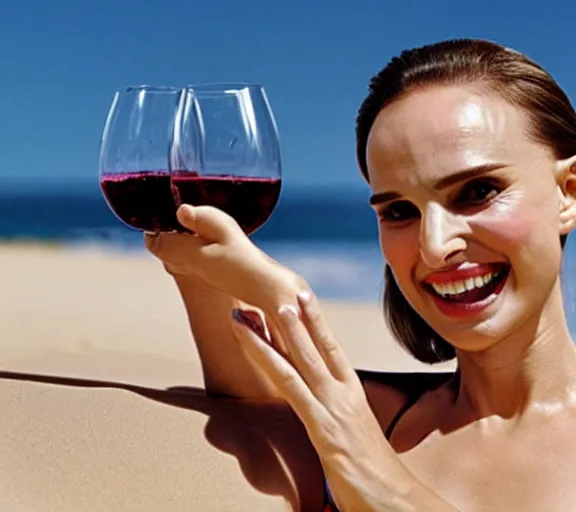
point(567, 186)
point(568, 220)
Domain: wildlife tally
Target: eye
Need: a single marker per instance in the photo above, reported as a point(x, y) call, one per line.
point(399, 211)
point(477, 192)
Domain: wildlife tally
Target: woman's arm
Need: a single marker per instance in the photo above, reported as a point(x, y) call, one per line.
point(216, 271)
point(226, 369)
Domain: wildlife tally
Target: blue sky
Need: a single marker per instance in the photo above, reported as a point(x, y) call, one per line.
point(61, 61)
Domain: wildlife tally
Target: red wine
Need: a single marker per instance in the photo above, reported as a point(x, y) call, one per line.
point(142, 199)
point(249, 200)
point(148, 200)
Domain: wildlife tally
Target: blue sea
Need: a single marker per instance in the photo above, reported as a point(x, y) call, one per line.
point(328, 236)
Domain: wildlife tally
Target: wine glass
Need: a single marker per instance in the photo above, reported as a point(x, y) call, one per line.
point(225, 152)
point(134, 170)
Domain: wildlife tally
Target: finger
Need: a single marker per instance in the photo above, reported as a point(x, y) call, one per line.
point(181, 254)
point(281, 373)
point(276, 339)
point(153, 242)
point(186, 216)
point(302, 351)
point(321, 335)
point(210, 223)
point(166, 243)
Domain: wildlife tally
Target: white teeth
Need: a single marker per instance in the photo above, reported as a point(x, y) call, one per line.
point(458, 287)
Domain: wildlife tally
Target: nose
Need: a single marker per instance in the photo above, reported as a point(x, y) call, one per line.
point(442, 239)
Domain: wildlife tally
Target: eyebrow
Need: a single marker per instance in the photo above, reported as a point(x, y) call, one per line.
point(448, 181)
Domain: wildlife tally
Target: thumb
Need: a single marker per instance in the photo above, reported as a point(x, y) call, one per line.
point(209, 223)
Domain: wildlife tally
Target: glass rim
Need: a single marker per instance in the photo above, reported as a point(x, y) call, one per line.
point(222, 86)
point(147, 87)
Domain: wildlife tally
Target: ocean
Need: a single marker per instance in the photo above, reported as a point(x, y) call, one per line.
point(330, 237)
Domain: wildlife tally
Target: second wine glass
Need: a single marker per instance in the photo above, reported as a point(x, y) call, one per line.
point(225, 152)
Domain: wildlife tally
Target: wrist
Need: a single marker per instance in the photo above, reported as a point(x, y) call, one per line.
point(282, 288)
point(186, 278)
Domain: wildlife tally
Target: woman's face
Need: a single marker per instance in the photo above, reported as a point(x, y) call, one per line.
point(469, 211)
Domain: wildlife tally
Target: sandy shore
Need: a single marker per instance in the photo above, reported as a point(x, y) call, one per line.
point(90, 343)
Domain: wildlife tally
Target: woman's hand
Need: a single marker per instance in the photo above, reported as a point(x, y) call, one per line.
point(312, 373)
point(219, 253)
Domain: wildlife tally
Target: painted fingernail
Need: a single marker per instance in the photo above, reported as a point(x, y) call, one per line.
point(251, 320)
point(237, 315)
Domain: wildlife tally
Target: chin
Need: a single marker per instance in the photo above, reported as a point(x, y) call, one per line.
point(512, 321)
point(479, 339)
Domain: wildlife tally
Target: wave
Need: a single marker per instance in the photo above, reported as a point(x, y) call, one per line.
point(352, 271)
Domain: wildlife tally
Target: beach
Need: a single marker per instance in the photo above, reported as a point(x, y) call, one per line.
point(100, 404)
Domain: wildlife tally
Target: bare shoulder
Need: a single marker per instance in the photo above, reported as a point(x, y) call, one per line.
point(389, 392)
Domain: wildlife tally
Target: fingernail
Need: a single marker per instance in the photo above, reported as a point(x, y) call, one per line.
point(237, 315)
point(305, 296)
point(251, 320)
point(288, 310)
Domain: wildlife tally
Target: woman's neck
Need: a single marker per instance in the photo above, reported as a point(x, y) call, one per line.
point(534, 366)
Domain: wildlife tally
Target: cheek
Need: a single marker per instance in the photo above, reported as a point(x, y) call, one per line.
point(400, 248)
point(510, 220)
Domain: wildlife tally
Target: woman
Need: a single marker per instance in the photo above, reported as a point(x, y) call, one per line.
point(470, 151)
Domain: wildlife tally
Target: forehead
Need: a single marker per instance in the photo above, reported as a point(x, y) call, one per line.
point(433, 132)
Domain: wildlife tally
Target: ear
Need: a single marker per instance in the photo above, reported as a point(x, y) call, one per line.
point(567, 188)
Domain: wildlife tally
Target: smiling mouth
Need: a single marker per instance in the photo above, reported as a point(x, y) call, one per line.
point(471, 290)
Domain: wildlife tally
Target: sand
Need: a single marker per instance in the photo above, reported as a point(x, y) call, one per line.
point(99, 402)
